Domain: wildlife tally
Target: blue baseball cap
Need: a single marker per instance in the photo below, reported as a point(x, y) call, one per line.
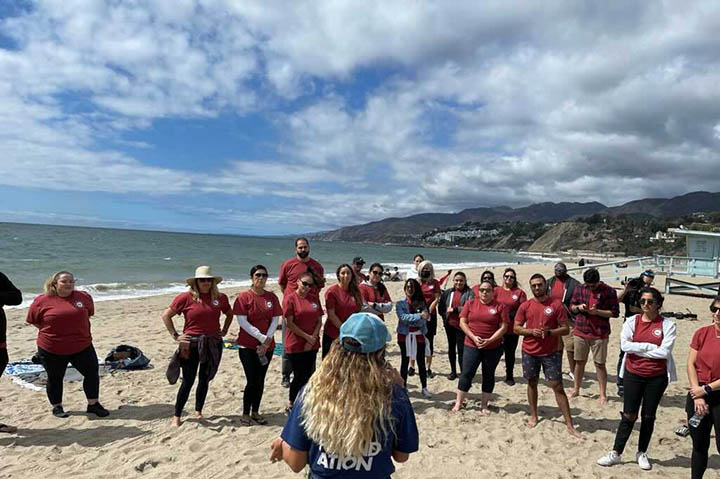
point(367, 329)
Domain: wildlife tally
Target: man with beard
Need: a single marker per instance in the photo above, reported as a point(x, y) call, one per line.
point(357, 265)
point(290, 271)
point(542, 321)
point(561, 287)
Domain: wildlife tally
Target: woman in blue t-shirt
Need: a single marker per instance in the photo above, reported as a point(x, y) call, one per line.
point(327, 410)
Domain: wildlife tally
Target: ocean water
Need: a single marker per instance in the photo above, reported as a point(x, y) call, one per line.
point(114, 264)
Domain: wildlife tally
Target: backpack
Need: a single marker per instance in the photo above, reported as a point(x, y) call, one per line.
point(126, 357)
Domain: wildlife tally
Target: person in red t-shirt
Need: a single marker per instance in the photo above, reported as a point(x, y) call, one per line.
point(341, 300)
point(258, 312)
point(512, 297)
point(647, 367)
point(62, 316)
point(431, 291)
point(303, 314)
point(290, 271)
point(201, 306)
point(375, 296)
point(703, 371)
point(542, 321)
point(484, 322)
point(357, 266)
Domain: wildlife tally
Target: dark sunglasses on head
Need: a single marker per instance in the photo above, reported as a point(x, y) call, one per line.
point(714, 309)
point(204, 280)
point(647, 301)
point(260, 275)
point(306, 284)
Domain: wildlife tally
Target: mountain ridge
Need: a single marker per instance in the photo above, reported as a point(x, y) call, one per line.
point(401, 228)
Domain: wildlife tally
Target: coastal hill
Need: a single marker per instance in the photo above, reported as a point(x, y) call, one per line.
point(422, 228)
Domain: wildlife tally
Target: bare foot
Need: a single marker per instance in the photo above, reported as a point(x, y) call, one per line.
point(176, 421)
point(485, 410)
point(456, 407)
point(532, 422)
point(603, 400)
point(573, 394)
point(574, 432)
point(199, 415)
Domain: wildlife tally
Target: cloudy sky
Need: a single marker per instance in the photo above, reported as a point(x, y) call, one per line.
point(231, 116)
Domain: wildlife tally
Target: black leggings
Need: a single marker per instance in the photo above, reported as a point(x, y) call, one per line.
point(645, 391)
point(3, 360)
point(326, 344)
point(472, 358)
point(701, 434)
point(255, 374)
point(419, 360)
point(190, 367)
point(456, 346)
point(85, 361)
point(510, 342)
point(303, 366)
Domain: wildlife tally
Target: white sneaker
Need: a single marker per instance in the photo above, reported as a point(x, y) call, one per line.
point(643, 461)
point(425, 393)
point(610, 459)
point(571, 376)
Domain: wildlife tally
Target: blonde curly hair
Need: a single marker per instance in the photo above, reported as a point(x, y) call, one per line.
point(347, 402)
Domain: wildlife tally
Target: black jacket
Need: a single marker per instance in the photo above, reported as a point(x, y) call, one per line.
point(570, 285)
point(9, 296)
point(443, 305)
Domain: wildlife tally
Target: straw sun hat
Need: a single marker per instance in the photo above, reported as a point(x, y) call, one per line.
point(203, 272)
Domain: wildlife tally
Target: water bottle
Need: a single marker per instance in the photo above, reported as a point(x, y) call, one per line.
point(695, 420)
point(263, 360)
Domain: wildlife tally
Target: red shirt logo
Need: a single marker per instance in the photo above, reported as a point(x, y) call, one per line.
point(314, 305)
point(548, 310)
point(215, 302)
point(268, 304)
point(657, 332)
point(515, 297)
point(79, 304)
point(493, 311)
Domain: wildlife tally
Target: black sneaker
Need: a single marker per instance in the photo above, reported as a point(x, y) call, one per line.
point(510, 381)
point(411, 372)
point(621, 391)
point(452, 376)
point(98, 410)
point(430, 373)
point(285, 382)
point(58, 411)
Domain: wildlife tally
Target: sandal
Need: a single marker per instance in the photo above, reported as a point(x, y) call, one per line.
point(258, 419)
point(682, 431)
point(7, 429)
point(246, 421)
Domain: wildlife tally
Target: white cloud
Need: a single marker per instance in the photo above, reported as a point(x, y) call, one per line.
point(452, 104)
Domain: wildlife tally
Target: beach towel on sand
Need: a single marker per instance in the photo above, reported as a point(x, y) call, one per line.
point(32, 376)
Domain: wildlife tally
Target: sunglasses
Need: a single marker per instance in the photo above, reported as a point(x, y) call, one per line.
point(485, 290)
point(260, 275)
point(647, 301)
point(714, 309)
point(306, 284)
point(509, 276)
point(376, 272)
point(205, 280)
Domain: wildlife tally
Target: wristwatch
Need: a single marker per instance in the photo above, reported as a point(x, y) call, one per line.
point(175, 335)
point(708, 389)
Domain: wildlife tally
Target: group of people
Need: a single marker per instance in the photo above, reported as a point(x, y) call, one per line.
point(482, 324)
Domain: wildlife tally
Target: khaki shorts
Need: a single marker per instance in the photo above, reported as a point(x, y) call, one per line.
point(568, 341)
point(583, 346)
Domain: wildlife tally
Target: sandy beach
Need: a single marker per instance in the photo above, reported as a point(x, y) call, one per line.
point(137, 440)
